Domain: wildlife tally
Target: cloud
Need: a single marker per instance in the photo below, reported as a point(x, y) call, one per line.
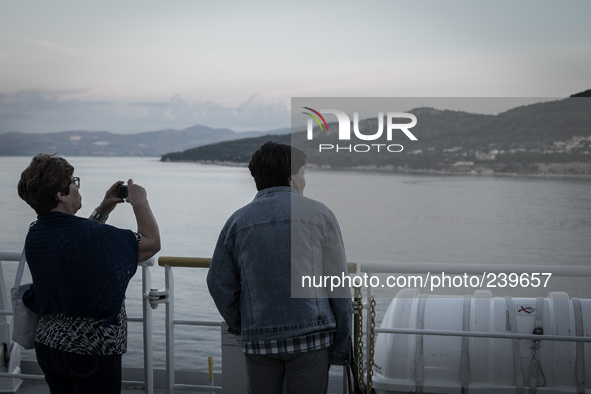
point(36, 111)
point(45, 44)
point(252, 114)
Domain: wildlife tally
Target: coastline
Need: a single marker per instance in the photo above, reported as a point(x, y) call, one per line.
point(481, 172)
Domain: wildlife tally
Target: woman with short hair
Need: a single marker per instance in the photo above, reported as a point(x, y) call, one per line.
point(81, 269)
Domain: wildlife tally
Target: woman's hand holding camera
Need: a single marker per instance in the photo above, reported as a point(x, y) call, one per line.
point(111, 200)
point(120, 192)
point(136, 194)
point(146, 223)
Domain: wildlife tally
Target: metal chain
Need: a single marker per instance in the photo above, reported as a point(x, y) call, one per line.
point(358, 333)
point(371, 347)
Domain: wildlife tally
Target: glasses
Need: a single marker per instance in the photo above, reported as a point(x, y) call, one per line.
point(76, 181)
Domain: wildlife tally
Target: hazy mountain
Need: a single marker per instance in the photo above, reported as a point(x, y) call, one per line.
point(103, 143)
point(531, 138)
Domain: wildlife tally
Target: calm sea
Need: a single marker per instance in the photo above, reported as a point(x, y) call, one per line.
point(383, 218)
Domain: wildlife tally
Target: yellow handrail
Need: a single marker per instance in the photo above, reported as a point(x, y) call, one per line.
point(188, 262)
point(204, 262)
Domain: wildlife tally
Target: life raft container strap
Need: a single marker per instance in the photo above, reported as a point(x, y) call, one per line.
point(580, 346)
point(419, 353)
point(535, 365)
point(465, 360)
point(512, 317)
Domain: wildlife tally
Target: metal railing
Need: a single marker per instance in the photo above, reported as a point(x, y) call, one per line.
point(166, 297)
point(146, 320)
point(152, 298)
point(168, 262)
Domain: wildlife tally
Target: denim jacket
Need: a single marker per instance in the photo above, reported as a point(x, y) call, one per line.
point(261, 250)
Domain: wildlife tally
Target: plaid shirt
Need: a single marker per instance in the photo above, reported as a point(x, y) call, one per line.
point(304, 343)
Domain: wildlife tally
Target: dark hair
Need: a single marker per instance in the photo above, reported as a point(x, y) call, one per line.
point(273, 163)
point(43, 179)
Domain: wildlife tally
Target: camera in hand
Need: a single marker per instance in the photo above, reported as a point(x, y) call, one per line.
point(122, 191)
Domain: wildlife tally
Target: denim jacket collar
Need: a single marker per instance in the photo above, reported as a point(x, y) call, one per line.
point(275, 189)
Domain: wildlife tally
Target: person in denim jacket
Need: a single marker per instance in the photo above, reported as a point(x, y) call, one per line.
point(289, 330)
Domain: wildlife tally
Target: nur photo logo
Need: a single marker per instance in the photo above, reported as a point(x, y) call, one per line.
point(394, 122)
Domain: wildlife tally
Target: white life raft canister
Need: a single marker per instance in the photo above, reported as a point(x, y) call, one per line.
point(411, 363)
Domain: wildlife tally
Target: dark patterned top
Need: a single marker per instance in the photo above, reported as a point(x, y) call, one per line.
point(83, 335)
point(79, 267)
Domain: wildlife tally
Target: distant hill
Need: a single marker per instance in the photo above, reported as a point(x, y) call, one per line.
point(527, 139)
point(586, 93)
point(237, 151)
point(103, 143)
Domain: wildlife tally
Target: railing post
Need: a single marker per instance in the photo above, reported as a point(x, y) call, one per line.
point(10, 351)
point(147, 323)
point(169, 280)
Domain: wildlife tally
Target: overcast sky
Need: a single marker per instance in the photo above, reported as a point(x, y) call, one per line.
point(131, 66)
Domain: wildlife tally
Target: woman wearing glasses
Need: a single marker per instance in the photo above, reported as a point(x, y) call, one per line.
point(81, 269)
